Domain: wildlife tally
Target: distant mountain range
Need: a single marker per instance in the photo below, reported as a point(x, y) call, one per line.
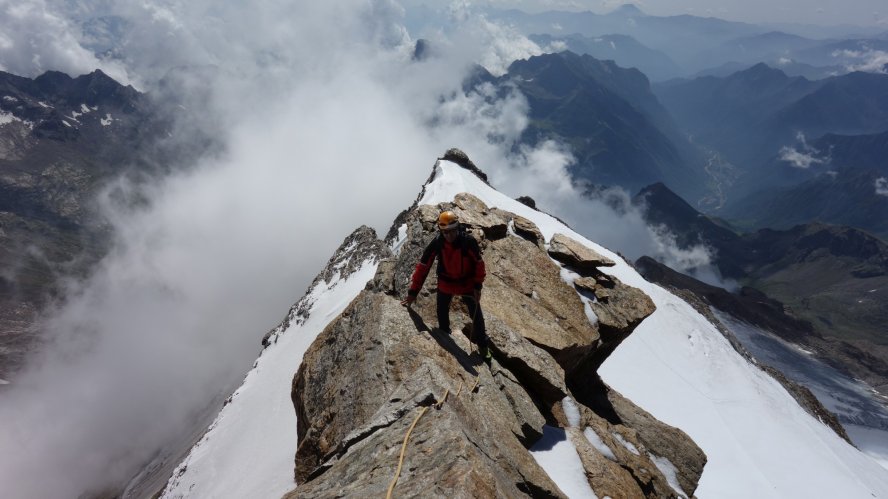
point(832, 276)
point(759, 122)
point(836, 179)
point(857, 198)
point(616, 127)
point(696, 44)
point(679, 36)
point(820, 286)
point(788, 66)
point(62, 140)
point(624, 50)
point(753, 115)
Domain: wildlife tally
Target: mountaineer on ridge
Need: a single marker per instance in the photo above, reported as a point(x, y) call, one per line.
point(460, 272)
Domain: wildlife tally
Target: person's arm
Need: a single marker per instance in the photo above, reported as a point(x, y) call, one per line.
point(421, 272)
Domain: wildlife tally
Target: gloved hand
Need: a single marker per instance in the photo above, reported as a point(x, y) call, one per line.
point(408, 301)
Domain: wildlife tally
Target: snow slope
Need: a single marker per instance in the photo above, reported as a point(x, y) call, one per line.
point(248, 450)
point(676, 365)
point(859, 407)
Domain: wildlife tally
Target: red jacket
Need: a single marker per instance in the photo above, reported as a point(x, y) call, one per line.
point(460, 267)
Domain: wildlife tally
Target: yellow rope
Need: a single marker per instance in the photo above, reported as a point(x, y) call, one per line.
point(403, 451)
point(477, 380)
point(440, 404)
point(443, 399)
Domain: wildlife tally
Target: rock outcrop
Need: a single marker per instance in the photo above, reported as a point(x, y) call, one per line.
point(378, 378)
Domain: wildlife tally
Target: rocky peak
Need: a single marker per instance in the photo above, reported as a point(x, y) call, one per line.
point(462, 159)
point(628, 10)
point(58, 107)
point(93, 89)
point(361, 247)
point(378, 386)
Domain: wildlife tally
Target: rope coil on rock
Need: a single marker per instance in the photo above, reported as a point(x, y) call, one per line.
point(403, 450)
point(437, 405)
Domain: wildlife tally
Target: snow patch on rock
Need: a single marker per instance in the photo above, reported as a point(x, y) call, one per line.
point(668, 470)
point(599, 444)
point(556, 454)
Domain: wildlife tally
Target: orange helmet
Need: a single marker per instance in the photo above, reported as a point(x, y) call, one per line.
point(448, 220)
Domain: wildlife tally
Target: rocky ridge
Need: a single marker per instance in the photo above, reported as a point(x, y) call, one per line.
point(377, 373)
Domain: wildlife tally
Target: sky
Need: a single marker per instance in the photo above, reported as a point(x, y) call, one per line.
point(823, 12)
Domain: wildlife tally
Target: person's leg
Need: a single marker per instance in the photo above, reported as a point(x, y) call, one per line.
point(479, 332)
point(444, 311)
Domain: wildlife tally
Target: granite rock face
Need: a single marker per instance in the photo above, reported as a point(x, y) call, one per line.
point(577, 256)
point(379, 376)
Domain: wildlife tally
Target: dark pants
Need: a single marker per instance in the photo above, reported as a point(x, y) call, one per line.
point(479, 334)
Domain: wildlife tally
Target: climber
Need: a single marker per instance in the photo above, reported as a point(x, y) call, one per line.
point(460, 272)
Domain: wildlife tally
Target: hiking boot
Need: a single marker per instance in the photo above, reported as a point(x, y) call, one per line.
point(485, 354)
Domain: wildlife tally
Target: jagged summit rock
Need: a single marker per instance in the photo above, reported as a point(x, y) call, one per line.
point(422, 50)
point(574, 254)
point(358, 249)
point(378, 369)
point(462, 159)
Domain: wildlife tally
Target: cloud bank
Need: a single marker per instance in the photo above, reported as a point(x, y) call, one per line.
point(36, 37)
point(327, 125)
point(882, 186)
point(867, 60)
point(802, 157)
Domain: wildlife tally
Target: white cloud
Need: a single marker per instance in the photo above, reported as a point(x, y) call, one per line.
point(882, 186)
point(555, 46)
point(866, 60)
point(804, 156)
point(797, 158)
point(36, 37)
point(499, 45)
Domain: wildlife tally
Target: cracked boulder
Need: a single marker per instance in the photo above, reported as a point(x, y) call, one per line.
point(577, 256)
